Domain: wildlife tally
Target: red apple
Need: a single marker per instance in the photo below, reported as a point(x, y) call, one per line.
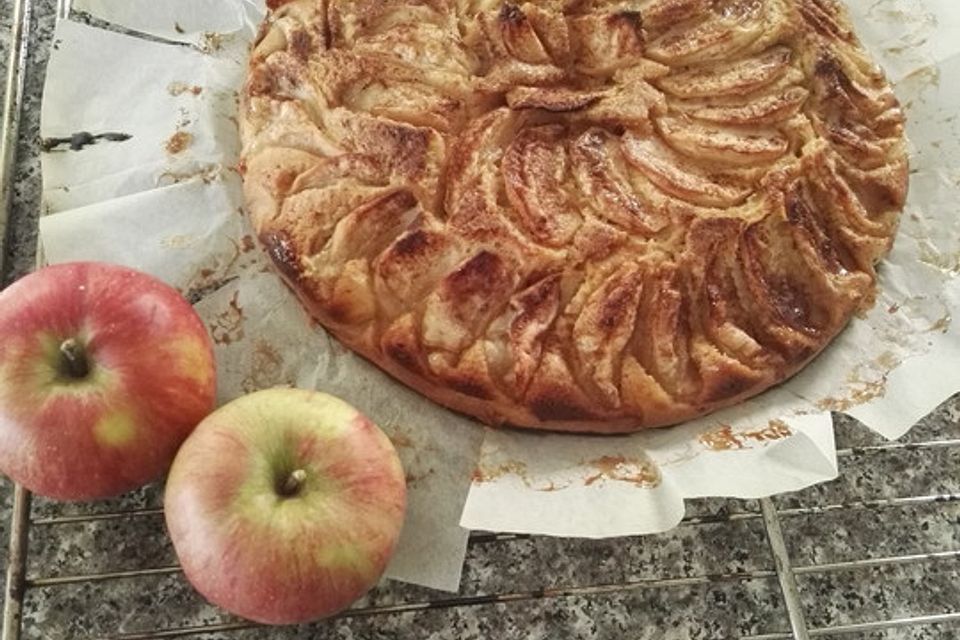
point(284, 506)
point(104, 371)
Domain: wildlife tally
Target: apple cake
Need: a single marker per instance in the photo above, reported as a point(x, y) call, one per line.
point(581, 215)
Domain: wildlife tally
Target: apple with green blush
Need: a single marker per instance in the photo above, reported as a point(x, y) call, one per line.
point(285, 506)
point(104, 372)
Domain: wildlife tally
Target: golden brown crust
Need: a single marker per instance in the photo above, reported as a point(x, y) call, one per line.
point(583, 215)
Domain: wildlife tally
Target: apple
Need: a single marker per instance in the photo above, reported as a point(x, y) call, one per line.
point(104, 372)
point(285, 505)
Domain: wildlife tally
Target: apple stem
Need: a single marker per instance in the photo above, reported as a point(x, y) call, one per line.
point(293, 483)
point(74, 359)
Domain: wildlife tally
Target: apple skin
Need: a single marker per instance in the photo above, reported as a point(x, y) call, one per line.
point(151, 379)
point(279, 557)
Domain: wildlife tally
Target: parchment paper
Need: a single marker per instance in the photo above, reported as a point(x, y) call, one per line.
point(179, 215)
point(188, 21)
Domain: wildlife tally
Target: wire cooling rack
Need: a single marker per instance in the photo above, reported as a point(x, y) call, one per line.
point(792, 583)
point(873, 554)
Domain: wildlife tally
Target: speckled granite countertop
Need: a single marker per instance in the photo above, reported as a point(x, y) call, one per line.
point(712, 577)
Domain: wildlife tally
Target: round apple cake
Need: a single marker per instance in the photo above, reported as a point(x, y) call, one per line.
point(582, 215)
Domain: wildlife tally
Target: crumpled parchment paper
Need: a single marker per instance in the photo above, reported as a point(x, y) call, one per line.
point(167, 200)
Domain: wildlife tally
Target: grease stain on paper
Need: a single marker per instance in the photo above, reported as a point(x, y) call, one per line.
point(942, 325)
point(265, 369)
point(218, 272)
point(641, 473)
point(177, 89)
point(724, 438)
point(211, 41)
point(919, 25)
point(401, 439)
point(412, 478)
point(638, 472)
point(417, 456)
point(178, 241)
point(227, 326)
point(490, 474)
point(179, 142)
point(205, 286)
point(867, 392)
point(928, 76)
point(863, 389)
point(946, 262)
point(207, 173)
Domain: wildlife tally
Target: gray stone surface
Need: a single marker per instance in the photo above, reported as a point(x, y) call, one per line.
point(556, 588)
point(6, 15)
point(25, 210)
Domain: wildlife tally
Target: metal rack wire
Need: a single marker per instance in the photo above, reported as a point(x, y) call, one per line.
point(773, 516)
